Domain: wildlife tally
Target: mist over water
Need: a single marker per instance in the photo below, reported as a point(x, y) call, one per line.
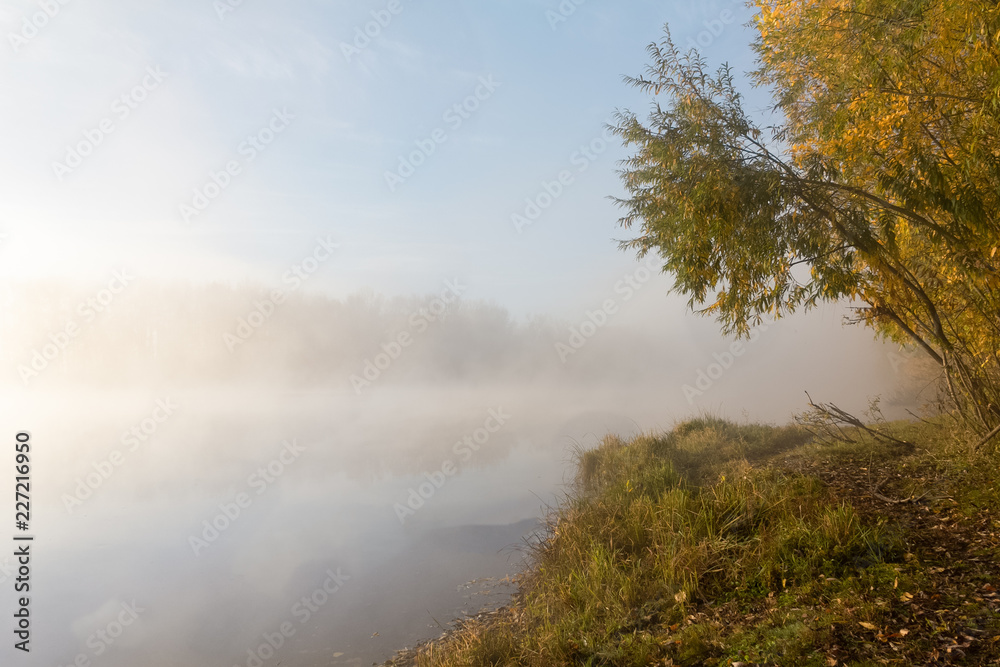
point(310, 307)
point(384, 498)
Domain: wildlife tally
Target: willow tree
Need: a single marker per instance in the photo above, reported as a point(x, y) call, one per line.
point(879, 183)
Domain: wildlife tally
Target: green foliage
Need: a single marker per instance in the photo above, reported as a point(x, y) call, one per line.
point(882, 177)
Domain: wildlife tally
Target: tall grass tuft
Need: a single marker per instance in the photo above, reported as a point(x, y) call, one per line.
point(658, 523)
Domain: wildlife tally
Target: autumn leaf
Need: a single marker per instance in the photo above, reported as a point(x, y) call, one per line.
point(881, 177)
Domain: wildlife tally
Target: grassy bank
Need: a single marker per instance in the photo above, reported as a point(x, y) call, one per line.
point(719, 543)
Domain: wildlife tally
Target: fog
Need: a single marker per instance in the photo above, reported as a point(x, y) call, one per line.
point(59, 335)
point(152, 416)
point(320, 301)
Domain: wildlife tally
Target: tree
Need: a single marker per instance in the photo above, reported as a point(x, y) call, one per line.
point(880, 183)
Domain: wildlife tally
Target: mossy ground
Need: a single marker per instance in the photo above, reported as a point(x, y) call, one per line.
point(718, 544)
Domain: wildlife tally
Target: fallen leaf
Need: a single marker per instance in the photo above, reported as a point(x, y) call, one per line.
point(867, 626)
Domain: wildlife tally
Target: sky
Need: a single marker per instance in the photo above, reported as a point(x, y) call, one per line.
point(217, 140)
point(390, 147)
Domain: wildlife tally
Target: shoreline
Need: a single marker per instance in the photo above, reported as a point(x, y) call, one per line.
point(724, 544)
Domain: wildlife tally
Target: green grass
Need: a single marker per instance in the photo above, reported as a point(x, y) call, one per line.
point(691, 547)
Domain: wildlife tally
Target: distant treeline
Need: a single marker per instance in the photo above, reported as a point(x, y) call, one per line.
point(144, 332)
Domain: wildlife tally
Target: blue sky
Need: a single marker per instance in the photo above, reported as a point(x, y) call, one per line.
point(219, 80)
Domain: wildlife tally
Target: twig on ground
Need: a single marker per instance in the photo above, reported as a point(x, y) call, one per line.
point(989, 436)
point(836, 416)
point(895, 501)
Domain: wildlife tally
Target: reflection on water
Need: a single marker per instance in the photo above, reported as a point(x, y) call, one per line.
point(248, 528)
point(254, 525)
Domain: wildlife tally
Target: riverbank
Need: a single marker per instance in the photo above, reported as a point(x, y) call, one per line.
point(722, 544)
